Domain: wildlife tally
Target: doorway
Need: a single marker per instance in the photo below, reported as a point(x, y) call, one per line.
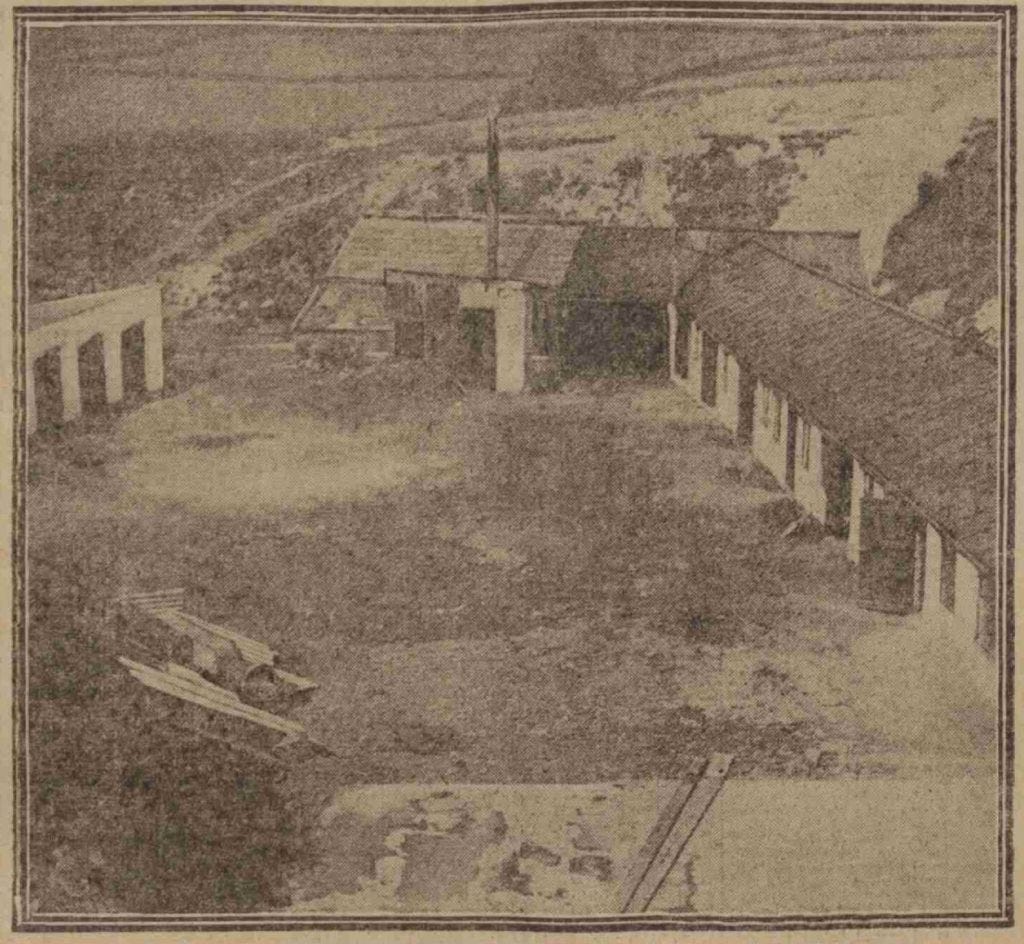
point(133, 361)
point(888, 568)
point(92, 375)
point(791, 423)
point(682, 345)
point(48, 389)
point(477, 329)
point(745, 407)
point(837, 480)
point(709, 370)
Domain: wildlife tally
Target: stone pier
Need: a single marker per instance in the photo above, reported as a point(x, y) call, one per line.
point(67, 324)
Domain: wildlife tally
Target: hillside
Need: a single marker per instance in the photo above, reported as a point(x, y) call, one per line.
point(848, 137)
point(820, 128)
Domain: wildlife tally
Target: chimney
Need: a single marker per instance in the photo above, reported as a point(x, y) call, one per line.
point(492, 195)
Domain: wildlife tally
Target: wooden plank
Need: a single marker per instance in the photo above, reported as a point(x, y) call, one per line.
point(176, 621)
point(252, 650)
point(218, 700)
point(297, 681)
point(696, 804)
point(195, 678)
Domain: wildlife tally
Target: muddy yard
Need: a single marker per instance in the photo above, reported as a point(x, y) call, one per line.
point(577, 587)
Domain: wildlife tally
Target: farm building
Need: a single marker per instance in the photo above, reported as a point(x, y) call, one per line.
point(883, 426)
point(417, 288)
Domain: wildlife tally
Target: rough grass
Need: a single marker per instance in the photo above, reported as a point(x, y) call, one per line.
point(579, 586)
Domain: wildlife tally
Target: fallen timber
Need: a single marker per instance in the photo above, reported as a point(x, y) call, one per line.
point(222, 652)
point(188, 686)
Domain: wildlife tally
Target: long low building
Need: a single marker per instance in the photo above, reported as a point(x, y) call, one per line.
point(884, 427)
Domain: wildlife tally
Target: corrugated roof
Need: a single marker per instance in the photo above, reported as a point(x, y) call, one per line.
point(537, 253)
point(913, 403)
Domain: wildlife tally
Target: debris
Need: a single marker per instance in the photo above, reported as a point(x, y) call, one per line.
point(186, 685)
point(215, 649)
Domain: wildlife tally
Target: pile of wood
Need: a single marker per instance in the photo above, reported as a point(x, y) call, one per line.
point(232, 681)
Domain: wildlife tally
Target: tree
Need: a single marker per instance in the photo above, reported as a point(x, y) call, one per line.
point(568, 73)
point(714, 188)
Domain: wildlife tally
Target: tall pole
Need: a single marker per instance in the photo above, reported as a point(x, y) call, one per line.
point(672, 313)
point(492, 195)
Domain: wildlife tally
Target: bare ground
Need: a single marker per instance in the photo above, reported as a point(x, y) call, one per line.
point(578, 586)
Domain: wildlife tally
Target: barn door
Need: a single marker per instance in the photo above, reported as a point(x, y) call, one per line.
point(888, 546)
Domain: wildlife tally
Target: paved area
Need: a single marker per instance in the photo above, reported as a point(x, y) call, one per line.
point(766, 847)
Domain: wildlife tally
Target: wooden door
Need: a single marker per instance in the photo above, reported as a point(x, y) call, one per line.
point(888, 545)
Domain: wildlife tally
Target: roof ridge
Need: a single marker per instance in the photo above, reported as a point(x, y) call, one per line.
point(534, 220)
point(866, 295)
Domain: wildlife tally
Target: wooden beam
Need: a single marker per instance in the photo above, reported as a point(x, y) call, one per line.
point(672, 831)
point(210, 696)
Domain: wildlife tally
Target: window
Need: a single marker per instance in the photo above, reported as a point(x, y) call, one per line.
point(777, 416)
point(805, 444)
point(725, 371)
point(766, 407)
point(947, 574)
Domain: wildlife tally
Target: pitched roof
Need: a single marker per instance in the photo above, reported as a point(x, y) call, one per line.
point(537, 253)
point(340, 304)
point(914, 404)
point(619, 263)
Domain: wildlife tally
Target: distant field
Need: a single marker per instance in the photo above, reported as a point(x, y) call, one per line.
point(218, 116)
point(88, 80)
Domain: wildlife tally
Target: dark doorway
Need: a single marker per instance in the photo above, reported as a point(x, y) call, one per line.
point(622, 338)
point(683, 328)
point(888, 555)
point(92, 375)
point(49, 392)
point(947, 573)
point(409, 339)
point(133, 361)
point(478, 337)
point(709, 371)
point(791, 423)
point(745, 417)
point(837, 479)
